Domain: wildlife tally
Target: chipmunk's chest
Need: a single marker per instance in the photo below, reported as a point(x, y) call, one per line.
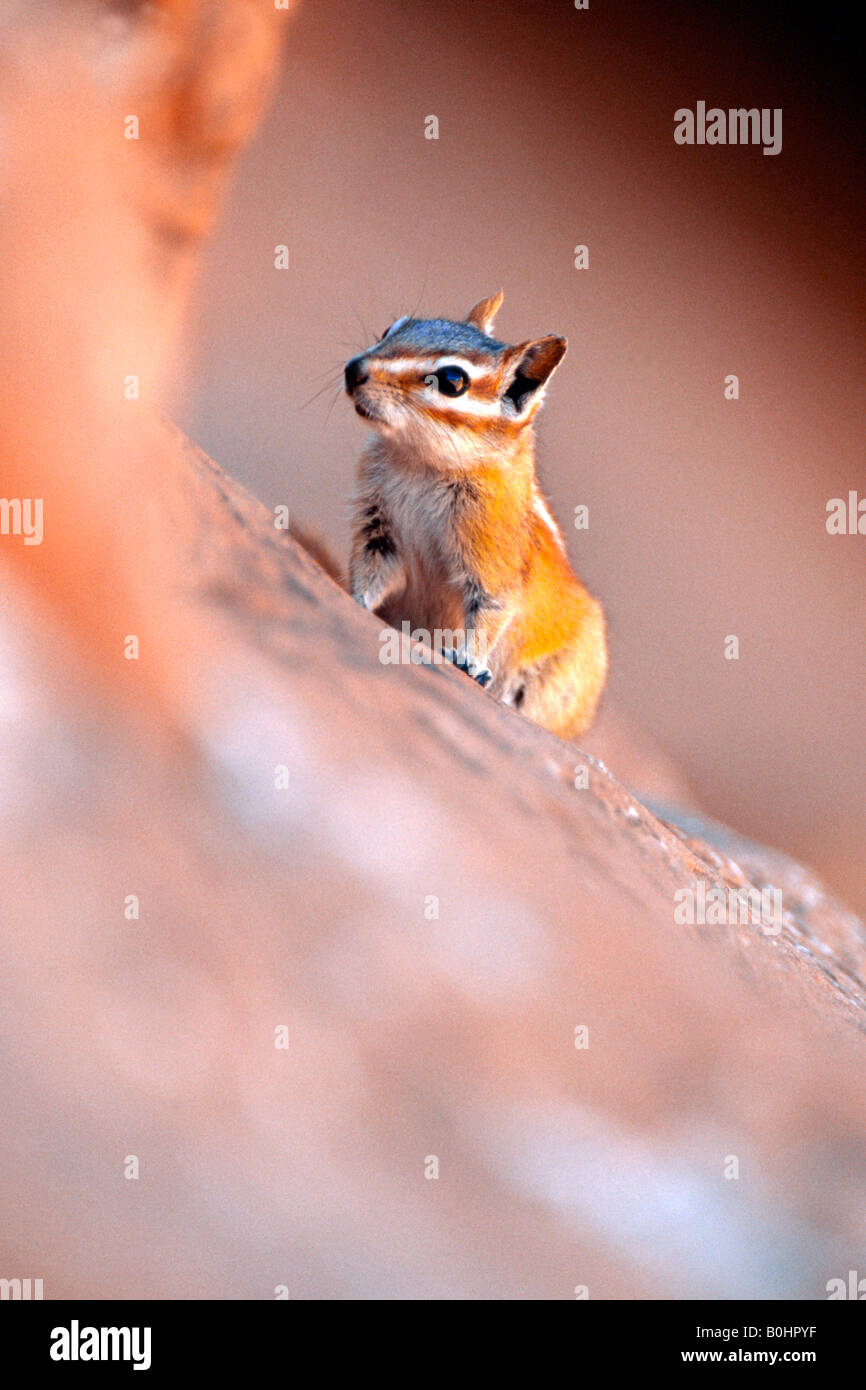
point(430, 515)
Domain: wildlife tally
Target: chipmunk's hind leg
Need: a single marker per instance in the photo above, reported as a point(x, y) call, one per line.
point(563, 691)
point(515, 695)
point(552, 697)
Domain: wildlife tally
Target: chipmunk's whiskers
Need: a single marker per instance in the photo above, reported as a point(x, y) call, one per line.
point(334, 381)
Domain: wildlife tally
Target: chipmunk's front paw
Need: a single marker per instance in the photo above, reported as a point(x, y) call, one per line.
point(464, 661)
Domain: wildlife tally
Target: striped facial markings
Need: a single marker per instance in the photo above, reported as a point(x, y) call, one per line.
point(428, 366)
point(412, 375)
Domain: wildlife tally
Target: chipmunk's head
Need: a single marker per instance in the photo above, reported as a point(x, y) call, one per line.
point(448, 389)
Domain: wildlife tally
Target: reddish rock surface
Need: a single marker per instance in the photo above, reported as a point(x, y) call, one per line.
point(410, 1034)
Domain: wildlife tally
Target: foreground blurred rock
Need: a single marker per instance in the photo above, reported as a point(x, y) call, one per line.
point(379, 859)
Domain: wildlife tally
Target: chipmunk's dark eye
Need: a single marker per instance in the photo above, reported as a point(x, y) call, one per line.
point(451, 381)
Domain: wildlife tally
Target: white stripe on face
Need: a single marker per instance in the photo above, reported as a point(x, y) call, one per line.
point(472, 370)
point(462, 405)
point(428, 366)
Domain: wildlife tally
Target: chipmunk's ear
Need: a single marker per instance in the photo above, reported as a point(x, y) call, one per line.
point(527, 367)
point(484, 312)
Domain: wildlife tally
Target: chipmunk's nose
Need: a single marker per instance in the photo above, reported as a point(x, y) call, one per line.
point(355, 374)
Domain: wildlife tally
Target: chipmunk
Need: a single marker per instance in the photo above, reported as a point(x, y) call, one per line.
point(450, 529)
